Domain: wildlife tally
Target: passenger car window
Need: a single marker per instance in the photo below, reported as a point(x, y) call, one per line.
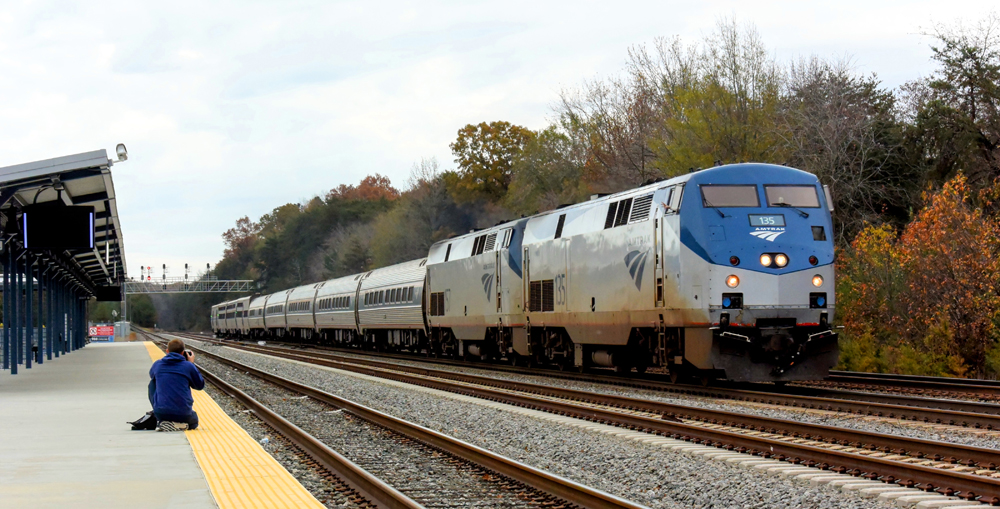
point(794, 196)
point(729, 196)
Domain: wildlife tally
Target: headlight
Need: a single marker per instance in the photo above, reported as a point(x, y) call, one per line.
point(817, 280)
point(780, 260)
point(765, 260)
point(732, 281)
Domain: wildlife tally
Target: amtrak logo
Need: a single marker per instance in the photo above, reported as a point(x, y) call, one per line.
point(636, 263)
point(768, 235)
point(487, 284)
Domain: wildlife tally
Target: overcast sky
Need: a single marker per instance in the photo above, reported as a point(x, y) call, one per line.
point(234, 108)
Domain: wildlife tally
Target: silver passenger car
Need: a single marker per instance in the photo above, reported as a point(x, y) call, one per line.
point(336, 316)
point(390, 308)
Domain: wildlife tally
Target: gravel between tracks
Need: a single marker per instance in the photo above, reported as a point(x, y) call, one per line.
point(640, 472)
point(324, 490)
point(843, 420)
point(429, 477)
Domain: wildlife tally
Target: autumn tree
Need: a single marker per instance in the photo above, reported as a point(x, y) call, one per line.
point(950, 251)
point(373, 187)
point(485, 155)
point(928, 302)
point(240, 240)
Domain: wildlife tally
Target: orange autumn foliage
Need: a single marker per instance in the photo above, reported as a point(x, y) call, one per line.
point(928, 300)
point(372, 188)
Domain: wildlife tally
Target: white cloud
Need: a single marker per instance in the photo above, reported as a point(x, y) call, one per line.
point(233, 108)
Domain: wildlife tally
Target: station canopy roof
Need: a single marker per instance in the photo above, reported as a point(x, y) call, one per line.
point(80, 179)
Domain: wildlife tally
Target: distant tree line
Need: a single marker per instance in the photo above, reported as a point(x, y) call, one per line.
point(895, 159)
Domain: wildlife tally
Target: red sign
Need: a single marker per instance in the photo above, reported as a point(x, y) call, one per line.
point(102, 330)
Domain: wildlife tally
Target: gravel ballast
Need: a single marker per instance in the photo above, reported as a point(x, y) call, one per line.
point(644, 473)
point(430, 477)
point(976, 438)
point(325, 491)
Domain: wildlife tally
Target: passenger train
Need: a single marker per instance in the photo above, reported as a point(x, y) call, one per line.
point(721, 273)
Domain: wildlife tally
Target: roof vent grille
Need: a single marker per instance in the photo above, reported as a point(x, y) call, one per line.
point(640, 208)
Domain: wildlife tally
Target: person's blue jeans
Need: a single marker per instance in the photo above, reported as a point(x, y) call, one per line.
point(191, 420)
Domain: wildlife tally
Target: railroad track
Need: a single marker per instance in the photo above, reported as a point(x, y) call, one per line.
point(938, 387)
point(953, 412)
point(930, 465)
point(975, 382)
point(543, 489)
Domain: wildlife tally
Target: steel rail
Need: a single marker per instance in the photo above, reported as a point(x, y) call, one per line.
point(973, 382)
point(796, 396)
point(971, 387)
point(557, 486)
point(919, 448)
point(949, 482)
point(367, 485)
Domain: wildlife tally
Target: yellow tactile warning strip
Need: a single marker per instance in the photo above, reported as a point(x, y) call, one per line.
point(240, 473)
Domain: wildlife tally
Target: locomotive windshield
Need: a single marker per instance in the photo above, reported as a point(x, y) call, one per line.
point(729, 196)
point(792, 196)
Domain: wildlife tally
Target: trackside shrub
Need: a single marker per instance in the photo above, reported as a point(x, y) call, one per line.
point(925, 301)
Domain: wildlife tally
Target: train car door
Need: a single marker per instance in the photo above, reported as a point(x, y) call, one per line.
point(502, 293)
point(658, 256)
point(669, 248)
point(498, 278)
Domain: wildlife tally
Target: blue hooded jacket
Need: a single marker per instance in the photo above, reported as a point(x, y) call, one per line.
point(173, 377)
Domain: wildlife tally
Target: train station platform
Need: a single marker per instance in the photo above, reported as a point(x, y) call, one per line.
point(66, 443)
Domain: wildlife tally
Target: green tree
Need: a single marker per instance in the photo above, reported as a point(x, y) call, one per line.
point(141, 310)
point(485, 155)
point(100, 312)
point(956, 111)
point(725, 107)
point(547, 173)
point(679, 107)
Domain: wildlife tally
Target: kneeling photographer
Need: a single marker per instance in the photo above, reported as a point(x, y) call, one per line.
point(170, 384)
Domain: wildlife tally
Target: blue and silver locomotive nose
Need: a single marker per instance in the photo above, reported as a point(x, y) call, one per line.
point(764, 235)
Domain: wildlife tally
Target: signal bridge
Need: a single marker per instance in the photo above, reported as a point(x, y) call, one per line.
point(205, 284)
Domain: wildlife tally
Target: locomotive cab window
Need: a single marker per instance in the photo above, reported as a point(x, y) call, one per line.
point(793, 196)
point(729, 196)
